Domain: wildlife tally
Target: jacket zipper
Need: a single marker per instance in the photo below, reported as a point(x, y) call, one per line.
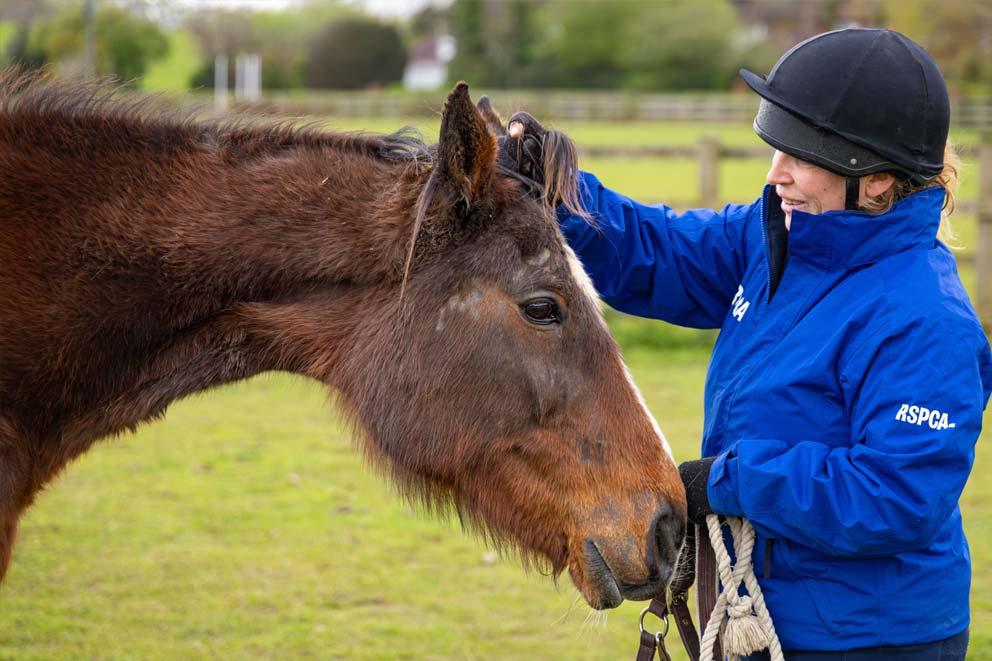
point(768, 558)
point(764, 247)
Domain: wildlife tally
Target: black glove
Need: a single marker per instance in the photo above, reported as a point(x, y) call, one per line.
point(521, 149)
point(695, 475)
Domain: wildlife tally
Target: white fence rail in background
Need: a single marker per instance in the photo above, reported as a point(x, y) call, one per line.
point(968, 112)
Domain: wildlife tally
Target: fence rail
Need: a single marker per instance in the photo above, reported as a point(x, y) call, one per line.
point(967, 112)
point(983, 247)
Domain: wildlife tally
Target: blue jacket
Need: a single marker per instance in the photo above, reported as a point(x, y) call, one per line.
point(843, 400)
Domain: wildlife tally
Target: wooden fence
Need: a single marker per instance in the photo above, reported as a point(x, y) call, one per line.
point(983, 241)
point(967, 112)
point(708, 152)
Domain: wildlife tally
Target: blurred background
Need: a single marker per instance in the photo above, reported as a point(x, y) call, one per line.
point(245, 525)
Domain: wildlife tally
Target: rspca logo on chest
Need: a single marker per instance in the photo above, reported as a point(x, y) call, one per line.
point(921, 415)
point(739, 305)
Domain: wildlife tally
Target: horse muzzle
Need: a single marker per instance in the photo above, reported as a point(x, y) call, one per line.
point(615, 572)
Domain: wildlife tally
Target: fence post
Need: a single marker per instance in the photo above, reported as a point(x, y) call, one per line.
point(983, 257)
point(220, 82)
point(709, 171)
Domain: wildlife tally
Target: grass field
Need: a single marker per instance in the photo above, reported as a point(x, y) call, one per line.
point(246, 526)
point(172, 73)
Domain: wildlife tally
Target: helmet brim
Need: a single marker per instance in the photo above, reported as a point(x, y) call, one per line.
point(799, 132)
point(790, 134)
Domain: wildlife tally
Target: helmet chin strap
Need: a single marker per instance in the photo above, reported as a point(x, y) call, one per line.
point(852, 193)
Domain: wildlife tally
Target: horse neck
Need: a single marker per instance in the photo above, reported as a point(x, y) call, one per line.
point(175, 249)
point(309, 215)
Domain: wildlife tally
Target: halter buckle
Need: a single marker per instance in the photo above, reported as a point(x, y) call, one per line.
point(660, 635)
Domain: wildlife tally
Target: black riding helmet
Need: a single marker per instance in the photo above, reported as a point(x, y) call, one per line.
point(856, 101)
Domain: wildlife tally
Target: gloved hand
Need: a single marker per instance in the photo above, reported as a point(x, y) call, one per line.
point(695, 475)
point(521, 149)
point(545, 160)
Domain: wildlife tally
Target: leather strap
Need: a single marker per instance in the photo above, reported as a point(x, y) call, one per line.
point(683, 622)
point(654, 642)
point(697, 560)
point(679, 589)
point(707, 585)
point(852, 192)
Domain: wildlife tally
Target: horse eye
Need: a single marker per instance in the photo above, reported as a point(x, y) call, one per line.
point(541, 311)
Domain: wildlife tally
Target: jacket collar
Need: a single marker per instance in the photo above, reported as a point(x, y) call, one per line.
point(852, 238)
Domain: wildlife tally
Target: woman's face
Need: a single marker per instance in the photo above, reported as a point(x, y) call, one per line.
point(805, 186)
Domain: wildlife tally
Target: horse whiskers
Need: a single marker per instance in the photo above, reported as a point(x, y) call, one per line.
point(568, 611)
point(594, 620)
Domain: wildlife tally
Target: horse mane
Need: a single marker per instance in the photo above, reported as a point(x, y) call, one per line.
point(106, 105)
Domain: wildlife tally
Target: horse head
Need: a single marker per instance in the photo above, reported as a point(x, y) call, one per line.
point(486, 378)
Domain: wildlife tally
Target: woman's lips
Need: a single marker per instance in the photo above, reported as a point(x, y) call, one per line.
point(789, 204)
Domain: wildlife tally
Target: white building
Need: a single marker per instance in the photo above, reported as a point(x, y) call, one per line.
point(427, 68)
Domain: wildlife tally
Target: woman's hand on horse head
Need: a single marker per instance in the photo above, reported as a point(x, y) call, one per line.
point(521, 149)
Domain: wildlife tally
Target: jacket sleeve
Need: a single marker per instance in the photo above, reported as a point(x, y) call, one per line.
point(915, 402)
point(652, 262)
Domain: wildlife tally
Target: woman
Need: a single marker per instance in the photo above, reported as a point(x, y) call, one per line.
point(845, 393)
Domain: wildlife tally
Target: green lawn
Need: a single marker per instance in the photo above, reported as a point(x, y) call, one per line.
point(173, 72)
point(245, 525)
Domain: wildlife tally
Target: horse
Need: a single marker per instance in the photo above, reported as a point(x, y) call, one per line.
point(147, 255)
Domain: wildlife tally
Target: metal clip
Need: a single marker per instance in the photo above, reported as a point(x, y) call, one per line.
point(660, 635)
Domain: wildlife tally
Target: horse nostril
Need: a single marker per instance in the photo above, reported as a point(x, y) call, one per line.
point(668, 533)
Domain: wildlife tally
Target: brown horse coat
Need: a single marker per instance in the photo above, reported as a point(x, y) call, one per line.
point(145, 256)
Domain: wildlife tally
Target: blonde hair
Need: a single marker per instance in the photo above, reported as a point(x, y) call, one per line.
point(947, 179)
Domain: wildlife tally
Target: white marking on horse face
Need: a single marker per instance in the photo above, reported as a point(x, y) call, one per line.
point(540, 259)
point(647, 412)
point(586, 286)
point(464, 303)
point(581, 277)
point(469, 303)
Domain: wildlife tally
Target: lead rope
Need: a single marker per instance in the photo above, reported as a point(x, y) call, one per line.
point(742, 621)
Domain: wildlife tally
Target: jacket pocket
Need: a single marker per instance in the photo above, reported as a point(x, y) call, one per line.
point(808, 573)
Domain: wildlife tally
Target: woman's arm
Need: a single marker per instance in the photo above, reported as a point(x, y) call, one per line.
point(653, 262)
point(916, 401)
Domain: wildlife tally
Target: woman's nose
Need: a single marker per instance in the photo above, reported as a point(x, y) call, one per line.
point(779, 173)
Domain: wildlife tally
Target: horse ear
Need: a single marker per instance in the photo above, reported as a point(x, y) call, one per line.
point(493, 120)
point(466, 149)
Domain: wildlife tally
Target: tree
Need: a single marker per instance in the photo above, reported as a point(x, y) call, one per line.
point(496, 41)
point(22, 14)
point(584, 43)
point(678, 44)
point(281, 38)
point(682, 44)
point(125, 44)
point(222, 32)
point(958, 33)
point(354, 53)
